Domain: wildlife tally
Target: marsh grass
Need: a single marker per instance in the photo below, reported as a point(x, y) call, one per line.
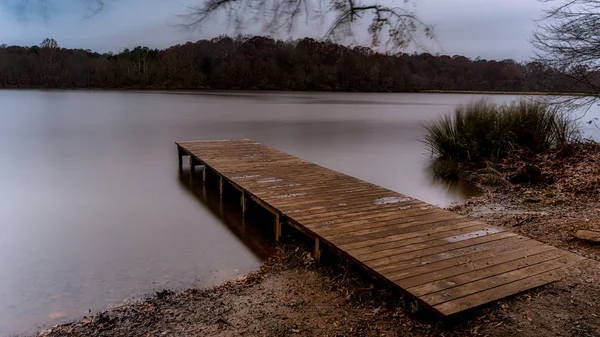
point(481, 131)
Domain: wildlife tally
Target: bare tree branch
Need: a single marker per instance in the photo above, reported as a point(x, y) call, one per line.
point(568, 39)
point(397, 25)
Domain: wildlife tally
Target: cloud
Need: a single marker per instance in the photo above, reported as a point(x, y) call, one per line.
point(74, 23)
point(43, 10)
point(491, 29)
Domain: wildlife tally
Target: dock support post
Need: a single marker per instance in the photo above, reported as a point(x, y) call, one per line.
point(277, 227)
point(204, 173)
point(243, 204)
point(317, 251)
point(221, 187)
point(192, 166)
point(180, 154)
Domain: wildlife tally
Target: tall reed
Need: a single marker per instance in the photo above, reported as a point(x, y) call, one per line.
point(482, 131)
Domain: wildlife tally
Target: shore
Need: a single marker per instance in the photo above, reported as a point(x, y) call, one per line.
point(487, 92)
point(291, 295)
point(208, 90)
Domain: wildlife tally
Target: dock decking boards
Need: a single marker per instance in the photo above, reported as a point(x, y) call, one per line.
point(448, 262)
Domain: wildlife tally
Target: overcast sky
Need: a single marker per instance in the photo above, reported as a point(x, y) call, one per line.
point(492, 29)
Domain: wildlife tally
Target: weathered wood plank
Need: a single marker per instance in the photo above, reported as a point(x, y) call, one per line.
point(456, 229)
point(478, 274)
point(446, 271)
point(436, 247)
point(492, 294)
point(368, 254)
point(434, 263)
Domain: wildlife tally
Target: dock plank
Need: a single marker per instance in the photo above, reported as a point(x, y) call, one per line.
point(448, 262)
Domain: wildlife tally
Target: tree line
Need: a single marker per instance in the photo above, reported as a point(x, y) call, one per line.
point(254, 62)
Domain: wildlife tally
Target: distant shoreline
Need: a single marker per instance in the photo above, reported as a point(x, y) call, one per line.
point(465, 92)
point(484, 92)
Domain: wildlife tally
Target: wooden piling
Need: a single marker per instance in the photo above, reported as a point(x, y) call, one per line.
point(317, 251)
point(277, 227)
point(243, 204)
point(180, 154)
point(192, 166)
point(221, 187)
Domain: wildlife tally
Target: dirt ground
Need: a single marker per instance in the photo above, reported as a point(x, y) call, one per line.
point(550, 213)
point(291, 295)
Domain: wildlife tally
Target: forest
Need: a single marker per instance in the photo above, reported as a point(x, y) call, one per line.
point(263, 63)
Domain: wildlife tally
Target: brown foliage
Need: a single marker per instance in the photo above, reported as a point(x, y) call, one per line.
point(265, 63)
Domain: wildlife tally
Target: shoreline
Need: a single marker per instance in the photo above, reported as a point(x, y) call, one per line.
point(484, 92)
point(291, 295)
point(234, 90)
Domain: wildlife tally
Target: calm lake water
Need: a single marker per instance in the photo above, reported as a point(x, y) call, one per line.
point(94, 212)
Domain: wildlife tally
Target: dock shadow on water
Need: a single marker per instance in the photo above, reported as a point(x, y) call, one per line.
point(255, 230)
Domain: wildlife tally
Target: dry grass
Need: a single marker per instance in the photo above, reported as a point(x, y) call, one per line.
point(482, 131)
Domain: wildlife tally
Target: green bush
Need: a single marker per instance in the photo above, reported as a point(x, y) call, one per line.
point(482, 131)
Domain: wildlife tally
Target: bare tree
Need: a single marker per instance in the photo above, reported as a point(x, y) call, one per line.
point(49, 44)
point(568, 39)
point(393, 24)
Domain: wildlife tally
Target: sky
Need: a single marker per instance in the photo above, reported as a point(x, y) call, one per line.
point(490, 29)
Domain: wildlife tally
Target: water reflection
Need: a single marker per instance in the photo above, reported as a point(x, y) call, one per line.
point(458, 187)
point(254, 231)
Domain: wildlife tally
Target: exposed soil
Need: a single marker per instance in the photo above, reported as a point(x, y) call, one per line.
point(290, 295)
point(548, 212)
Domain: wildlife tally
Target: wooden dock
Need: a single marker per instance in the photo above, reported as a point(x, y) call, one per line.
point(448, 262)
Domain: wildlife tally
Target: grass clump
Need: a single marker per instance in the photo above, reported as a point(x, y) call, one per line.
point(482, 131)
point(447, 168)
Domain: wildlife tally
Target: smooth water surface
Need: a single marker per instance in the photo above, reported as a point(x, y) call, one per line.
point(93, 210)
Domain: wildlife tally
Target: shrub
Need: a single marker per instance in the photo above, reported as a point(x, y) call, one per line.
point(447, 169)
point(482, 131)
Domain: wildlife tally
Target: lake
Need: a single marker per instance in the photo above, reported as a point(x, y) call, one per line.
point(94, 211)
